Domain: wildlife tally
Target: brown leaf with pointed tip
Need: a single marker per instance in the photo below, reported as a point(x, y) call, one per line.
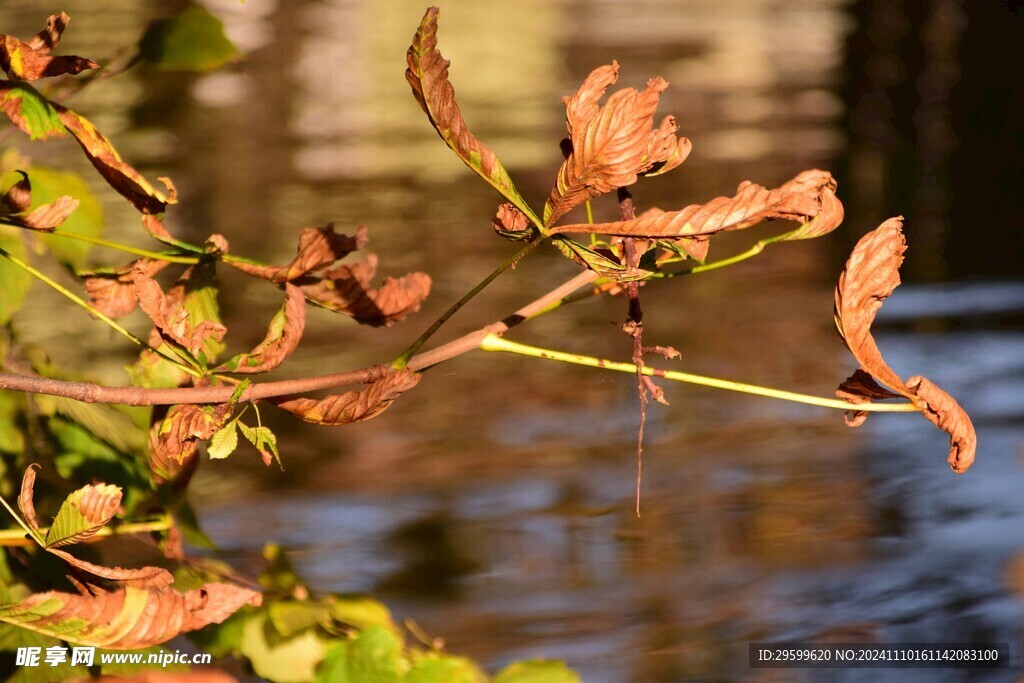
point(353, 406)
point(944, 412)
point(113, 293)
point(318, 248)
point(612, 145)
point(750, 205)
point(128, 182)
point(45, 218)
point(19, 197)
point(282, 337)
point(26, 496)
point(127, 618)
point(145, 577)
point(347, 289)
point(427, 74)
point(870, 276)
point(31, 60)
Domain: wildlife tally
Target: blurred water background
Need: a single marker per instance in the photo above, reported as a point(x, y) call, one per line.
point(494, 505)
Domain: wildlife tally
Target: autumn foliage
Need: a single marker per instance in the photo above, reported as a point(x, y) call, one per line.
point(613, 141)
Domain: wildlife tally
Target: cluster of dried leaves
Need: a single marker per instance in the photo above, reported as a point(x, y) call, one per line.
point(610, 146)
point(115, 608)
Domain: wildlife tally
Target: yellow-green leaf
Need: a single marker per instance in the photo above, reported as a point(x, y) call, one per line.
point(83, 513)
point(191, 40)
point(30, 111)
point(224, 442)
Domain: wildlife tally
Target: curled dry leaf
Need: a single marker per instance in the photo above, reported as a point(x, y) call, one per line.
point(614, 144)
point(318, 248)
point(170, 312)
point(513, 224)
point(27, 495)
point(871, 275)
point(750, 205)
point(128, 618)
point(18, 199)
point(944, 412)
point(177, 436)
point(113, 293)
point(353, 406)
point(346, 289)
point(428, 76)
point(831, 213)
point(30, 61)
point(128, 182)
point(282, 337)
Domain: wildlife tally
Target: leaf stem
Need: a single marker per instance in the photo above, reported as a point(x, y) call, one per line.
point(403, 359)
point(493, 342)
point(12, 533)
point(74, 298)
point(11, 537)
point(159, 256)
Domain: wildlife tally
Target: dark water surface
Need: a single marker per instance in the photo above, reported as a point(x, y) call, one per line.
point(494, 504)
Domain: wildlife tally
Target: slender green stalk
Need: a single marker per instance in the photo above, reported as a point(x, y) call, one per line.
point(14, 534)
point(156, 255)
point(493, 342)
point(9, 537)
point(74, 298)
point(403, 359)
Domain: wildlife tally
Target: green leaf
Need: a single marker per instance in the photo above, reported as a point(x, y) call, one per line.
point(537, 671)
point(14, 281)
point(360, 611)
point(291, 661)
point(49, 184)
point(375, 655)
point(192, 40)
point(224, 442)
point(290, 617)
point(83, 513)
point(438, 668)
point(263, 439)
point(30, 111)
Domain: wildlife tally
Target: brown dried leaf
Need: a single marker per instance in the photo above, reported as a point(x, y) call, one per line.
point(180, 432)
point(146, 577)
point(944, 412)
point(318, 248)
point(614, 144)
point(428, 76)
point(831, 214)
point(27, 495)
point(347, 289)
point(870, 276)
point(113, 294)
point(18, 199)
point(169, 312)
point(128, 618)
point(282, 337)
point(31, 60)
point(751, 204)
point(353, 406)
point(128, 182)
point(512, 224)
